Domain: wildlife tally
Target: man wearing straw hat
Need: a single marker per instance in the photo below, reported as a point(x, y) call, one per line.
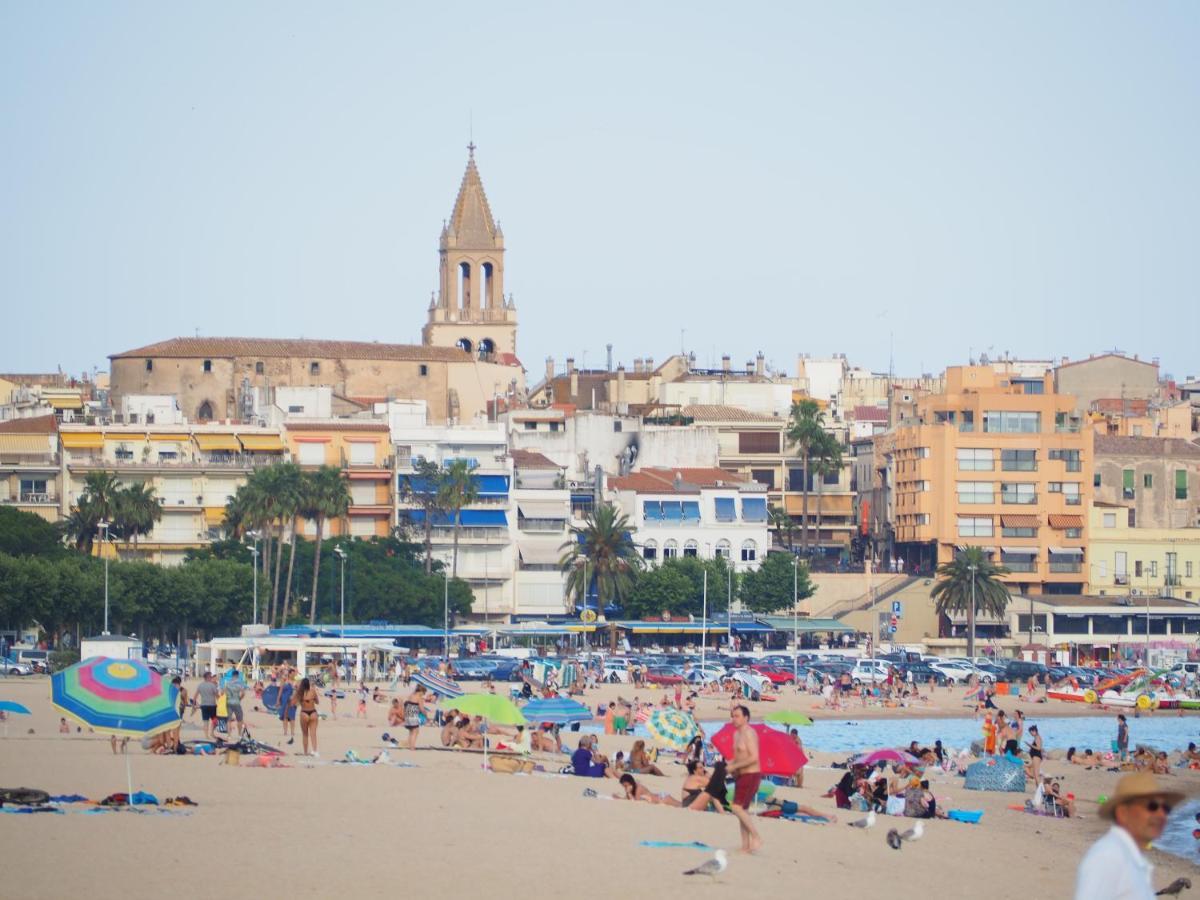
point(1115, 867)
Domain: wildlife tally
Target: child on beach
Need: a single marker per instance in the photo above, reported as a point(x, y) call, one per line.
point(63, 727)
point(361, 713)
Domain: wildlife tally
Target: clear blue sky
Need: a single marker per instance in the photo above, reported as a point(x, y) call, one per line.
point(796, 177)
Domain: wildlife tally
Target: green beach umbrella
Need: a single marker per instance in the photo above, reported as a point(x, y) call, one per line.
point(788, 717)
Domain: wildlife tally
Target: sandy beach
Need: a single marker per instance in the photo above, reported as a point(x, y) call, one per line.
point(447, 828)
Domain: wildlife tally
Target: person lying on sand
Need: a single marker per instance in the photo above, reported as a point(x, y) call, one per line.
point(631, 790)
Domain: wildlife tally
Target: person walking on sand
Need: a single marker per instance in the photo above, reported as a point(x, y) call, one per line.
point(1115, 867)
point(414, 708)
point(745, 767)
point(306, 698)
point(206, 698)
point(1122, 737)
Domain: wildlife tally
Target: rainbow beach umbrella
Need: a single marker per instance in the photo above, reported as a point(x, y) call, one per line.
point(671, 727)
point(124, 697)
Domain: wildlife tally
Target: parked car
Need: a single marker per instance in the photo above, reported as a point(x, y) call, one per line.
point(955, 673)
point(871, 671)
point(663, 675)
point(1023, 670)
point(775, 674)
point(10, 666)
point(38, 660)
point(918, 673)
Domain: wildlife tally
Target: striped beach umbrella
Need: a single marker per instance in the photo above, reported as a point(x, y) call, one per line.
point(434, 682)
point(556, 711)
point(124, 697)
point(671, 727)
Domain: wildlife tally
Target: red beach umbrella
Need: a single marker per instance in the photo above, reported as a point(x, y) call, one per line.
point(777, 752)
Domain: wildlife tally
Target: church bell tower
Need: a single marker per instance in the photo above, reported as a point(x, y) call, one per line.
point(470, 310)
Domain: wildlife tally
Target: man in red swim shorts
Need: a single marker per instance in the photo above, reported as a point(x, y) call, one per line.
point(745, 767)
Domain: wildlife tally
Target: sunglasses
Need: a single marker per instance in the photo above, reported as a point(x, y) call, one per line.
point(1155, 805)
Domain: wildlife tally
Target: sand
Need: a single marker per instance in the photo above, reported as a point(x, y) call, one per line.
point(446, 828)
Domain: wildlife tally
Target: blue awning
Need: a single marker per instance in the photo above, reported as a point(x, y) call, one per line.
point(417, 517)
point(652, 510)
point(691, 510)
point(484, 518)
point(491, 485)
point(672, 511)
point(750, 627)
point(754, 509)
point(726, 509)
point(416, 485)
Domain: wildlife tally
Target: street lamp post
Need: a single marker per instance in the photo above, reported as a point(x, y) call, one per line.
point(704, 624)
point(971, 614)
point(795, 619)
point(341, 555)
point(253, 535)
point(102, 526)
point(446, 616)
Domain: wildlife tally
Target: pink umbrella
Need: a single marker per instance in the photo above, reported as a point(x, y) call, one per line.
point(886, 754)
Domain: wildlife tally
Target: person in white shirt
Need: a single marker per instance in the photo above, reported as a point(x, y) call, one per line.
point(1115, 867)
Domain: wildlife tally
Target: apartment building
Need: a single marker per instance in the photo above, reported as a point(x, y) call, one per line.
point(1000, 461)
point(1156, 479)
point(1141, 560)
point(30, 469)
point(543, 516)
point(362, 449)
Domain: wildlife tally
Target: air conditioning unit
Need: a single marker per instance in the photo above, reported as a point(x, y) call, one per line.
point(1134, 592)
point(1121, 579)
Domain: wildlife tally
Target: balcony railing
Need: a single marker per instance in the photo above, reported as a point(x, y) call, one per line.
point(1025, 565)
point(233, 461)
point(543, 525)
point(1060, 568)
point(1120, 579)
point(1172, 580)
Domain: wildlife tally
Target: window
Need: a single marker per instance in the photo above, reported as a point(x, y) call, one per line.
point(1131, 517)
point(423, 370)
point(1073, 532)
point(1030, 386)
point(1187, 568)
point(943, 417)
point(1005, 422)
point(1127, 491)
point(149, 365)
point(1070, 457)
point(1070, 491)
point(764, 476)
point(1147, 480)
point(1154, 568)
point(1137, 568)
point(168, 455)
point(295, 409)
point(314, 368)
point(205, 412)
point(1054, 487)
point(758, 442)
point(1018, 532)
point(975, 526)
point(724, 550)
point(1103, 564)
point(1018, 492)
point(922, 453)
point(670, 550)
point(1066, 423)
point(1018, 460)
point(616, 425)
point(362, 453)
point(967, 422)
point(922, 518)
point(976, 492)
point(749, 551)
point(650, 550)
point(312, 453)
point(1110, 520)
point(259, 368)
point(1181, 484)
point(1096, 480)
point(975, 460)
point(556, 426)
point(1121, 566)
point(531, 426)
point(691, 548)
point(208, 365)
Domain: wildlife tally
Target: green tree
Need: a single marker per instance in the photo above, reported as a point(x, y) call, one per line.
point(457, 488)
point(325, 496)
point(769, 588)
point(660, 588)
point(601, 552)
point(27, 534)
point(423, 488)
point(783, 524)
point(138, 510)
point(971, 575)
point(101, 491)
point(826, 456)
point(805, 430)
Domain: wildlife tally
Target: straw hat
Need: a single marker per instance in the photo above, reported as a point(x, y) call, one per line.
point(1135, 787)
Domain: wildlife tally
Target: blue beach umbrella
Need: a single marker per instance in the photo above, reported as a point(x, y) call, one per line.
point(9, 706)
point(556, 711)
point(434, 682)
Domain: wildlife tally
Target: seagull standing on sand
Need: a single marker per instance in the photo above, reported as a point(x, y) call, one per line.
point(893, 839)
point(711, 867)
point(1175, 888)
point(864, 823)
point(915, 833)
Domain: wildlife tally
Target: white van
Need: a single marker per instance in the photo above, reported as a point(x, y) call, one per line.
point(1188, 671)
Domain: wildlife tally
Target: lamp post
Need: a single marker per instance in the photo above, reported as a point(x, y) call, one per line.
point(253, 535)
point(704, 616)
point(341, 555)
point(971, 614)
point(102, 526)
point(446, 616)
point(795, 619)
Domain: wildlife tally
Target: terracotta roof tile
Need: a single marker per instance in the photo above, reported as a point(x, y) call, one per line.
point(1110, 445)
point(531, 459)
point(869, 414)
point(221, 348)
point(32, 425)
point(714, 412)
point(662, 481)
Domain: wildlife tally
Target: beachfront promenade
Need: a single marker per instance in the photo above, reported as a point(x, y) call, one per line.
point(440, 826)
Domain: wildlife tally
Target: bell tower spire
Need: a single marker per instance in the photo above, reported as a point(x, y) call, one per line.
point(471, 311)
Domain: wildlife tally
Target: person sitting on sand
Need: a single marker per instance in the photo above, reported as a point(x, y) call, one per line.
point(1161, 764)
point(450, 728)
point(639, 760)
point(470, 735)
point(1054, 802)
point(546, 739)
point(395, 715)
point(587, 763)
point(631, 790)
point(714, 792)
point(842, 791)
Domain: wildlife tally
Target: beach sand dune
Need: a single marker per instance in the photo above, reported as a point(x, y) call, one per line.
point(446, 828)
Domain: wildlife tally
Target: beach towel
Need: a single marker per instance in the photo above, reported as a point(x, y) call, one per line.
point(687, 845)
point(995, 775)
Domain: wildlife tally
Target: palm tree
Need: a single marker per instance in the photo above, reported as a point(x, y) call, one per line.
point(102, 491)
point(138, 509)
point(79, 527)
point(457, 488)
point(971, 581)
point(325, 497)
point(783, 524)
point(805, 430)
point(422, 488)
point(826, 460)
point(604, 547)
point(292, 496)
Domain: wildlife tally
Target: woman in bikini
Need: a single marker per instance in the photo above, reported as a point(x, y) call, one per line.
point(635, 791)
point(305, 698)
point(695, 783)
point(639, 760)
point(1035, 754)
point(414, 708)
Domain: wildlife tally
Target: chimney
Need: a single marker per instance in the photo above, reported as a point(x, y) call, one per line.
point(760, 364)
point(549, 369)
point(570, 365)
point(609, 347)
point(749, 367)
point(649, 363)
point(574, 384)
point(637, 366)
point(725, 367)
point(620, 385)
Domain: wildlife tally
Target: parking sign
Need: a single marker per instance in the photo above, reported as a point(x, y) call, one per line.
point(897, 609)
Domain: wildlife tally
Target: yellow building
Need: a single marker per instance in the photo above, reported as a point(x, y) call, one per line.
point(194, 470)
point(1141, 562)
point(29, 465)
point(1000, 461)
point(363, 450)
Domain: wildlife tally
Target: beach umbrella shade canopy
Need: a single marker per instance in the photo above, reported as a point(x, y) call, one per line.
point(496, 709)
point(672, 728)
point(886, 755)
point(10, 707)
point(556, 711)
point(787, 717)
point(777, 752)
point(124, 697)
point(432, 681)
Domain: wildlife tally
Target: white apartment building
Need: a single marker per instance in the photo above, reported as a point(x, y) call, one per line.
point(543, 512)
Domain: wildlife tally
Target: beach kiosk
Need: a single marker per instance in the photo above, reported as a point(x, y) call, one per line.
point(114, 646)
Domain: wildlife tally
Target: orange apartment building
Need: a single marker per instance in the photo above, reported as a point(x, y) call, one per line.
point(1000, 461)
point(362, 449)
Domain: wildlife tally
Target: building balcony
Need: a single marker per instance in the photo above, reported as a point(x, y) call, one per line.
point(542, 526)
point(1064, 568)
point(231, 462)
point(48, 462)
point(1027, 565)
point(31, 498)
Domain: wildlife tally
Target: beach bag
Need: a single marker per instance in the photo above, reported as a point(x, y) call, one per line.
point(507, 765)
point(895, 805)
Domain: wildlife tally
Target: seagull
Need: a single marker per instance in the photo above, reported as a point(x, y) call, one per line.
point(1175, 888)
point(893, 839)
point(711, 867)
point(864, 823)
point(915, 833)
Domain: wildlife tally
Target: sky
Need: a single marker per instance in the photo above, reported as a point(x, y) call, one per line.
point(908, 183)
